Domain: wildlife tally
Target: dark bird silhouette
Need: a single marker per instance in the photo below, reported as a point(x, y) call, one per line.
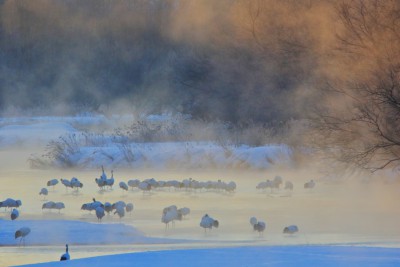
point(22, 233)
point(14, 214)
point(65, 256)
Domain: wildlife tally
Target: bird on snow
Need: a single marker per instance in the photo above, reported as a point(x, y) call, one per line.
point(133, 183)
point(208, 223)
point(118, 204)
point(264, 185)
point(230, 187)
point(129, 207)
point(108, 207)
point(110, 182)
point(92, 205)
point(100, 213)
point(44, 192)
point(291, 229)
point(22, 233)
point(75, 183)
point(58, 206)
point(52, 182)
point(14, 214)
point(103, 174)
point(259, 227)
point(48, 205)
point(65, 256)
point(253, 221)
point(123, 186)
point(288, 185)
point(277, 181)
point(309, 185)
point(10, 203)
point(66, 183)
point(183, 212)
point(120, 211)
point(144, 186)
point(170, 214)
point(101, 183)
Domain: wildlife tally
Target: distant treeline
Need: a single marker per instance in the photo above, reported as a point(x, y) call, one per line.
point(230, 60)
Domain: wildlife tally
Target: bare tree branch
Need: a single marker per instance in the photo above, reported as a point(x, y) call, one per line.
point(365, 131)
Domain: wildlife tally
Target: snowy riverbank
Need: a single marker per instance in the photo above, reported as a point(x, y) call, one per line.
point(70, 142)
point(248, 256)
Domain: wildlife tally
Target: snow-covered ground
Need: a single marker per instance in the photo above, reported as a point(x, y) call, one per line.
point(361, 216)
point(60, 232)
point(95, 149)
point(249, 256)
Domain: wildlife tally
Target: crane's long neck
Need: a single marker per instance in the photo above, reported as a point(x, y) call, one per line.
point(66, 250)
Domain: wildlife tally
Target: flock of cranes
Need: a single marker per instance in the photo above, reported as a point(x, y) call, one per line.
point(169, 214)
point(150, 184)
point(275, 184)
point(189, 184)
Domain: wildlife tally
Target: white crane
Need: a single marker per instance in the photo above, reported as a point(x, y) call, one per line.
point(292, 229)
point(110, 182)
point(183, 211)
point(289, 186)
point(259, 227)
point(103, 174)
point(144, 186)
point(277, 181)
point(102, 181)
point(75, 183)
point(65, 256)
point(100, 213)
point(66, 183)
point(253, 221)
point(230, 187)
point(208, 223)
point(58, 206)
point(170, 214)
point(10, 203)
point(48, 205)
point(264, 185)
point(22, 233)
point(309, 185)
point(14, 214)
point(129, 208)
point(118, 204)
point(123, 186)
point(92, 205)
point(44, 192)
point(120, 211)
point(52, 183)
point(133, 183)
point(108, 207)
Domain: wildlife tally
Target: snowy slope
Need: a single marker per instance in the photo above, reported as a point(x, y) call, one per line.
point(248, 256)
point(60, 232)
point(179, 155)
point(89, 150)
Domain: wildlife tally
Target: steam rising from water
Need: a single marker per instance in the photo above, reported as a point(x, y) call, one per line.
point(230, 60)
point(238, 60)
point(357, 210)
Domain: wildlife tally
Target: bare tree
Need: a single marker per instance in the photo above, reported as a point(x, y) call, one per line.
point(359, 121)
